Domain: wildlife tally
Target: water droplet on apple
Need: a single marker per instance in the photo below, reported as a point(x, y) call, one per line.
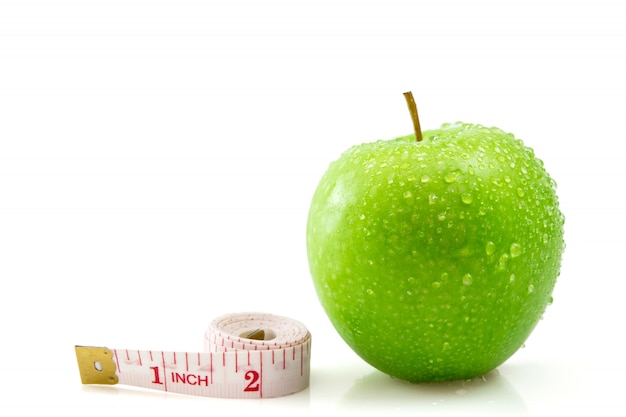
point(466, 198)
point(531, 289)
point(436, 284)
point(520, 192)
point(470, 169)
point(516, 250)
point(432, 199)
point(369, 291)
point(512, 278)
point(441, 217)
point(503, 261)
point(425, 178)
point(490, 248)
point(451, 177)
point(466, 251)
point(407, 194)
point(362, 216)
point(446, 346)
point(467, 280)
point(496, 181)
point(444, 276)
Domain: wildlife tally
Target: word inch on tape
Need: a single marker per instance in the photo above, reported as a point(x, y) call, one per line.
point(248, 355)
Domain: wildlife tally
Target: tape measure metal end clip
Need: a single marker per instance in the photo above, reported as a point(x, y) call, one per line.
point(96, 365)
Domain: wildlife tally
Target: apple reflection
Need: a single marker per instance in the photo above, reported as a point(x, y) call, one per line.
point(490, 394)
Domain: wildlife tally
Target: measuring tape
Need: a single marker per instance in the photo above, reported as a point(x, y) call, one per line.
point(247, 355)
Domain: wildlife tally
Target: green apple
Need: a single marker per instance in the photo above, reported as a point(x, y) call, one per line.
point(435, 259)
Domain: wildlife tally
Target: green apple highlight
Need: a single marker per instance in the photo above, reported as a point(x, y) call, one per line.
point(435, 259)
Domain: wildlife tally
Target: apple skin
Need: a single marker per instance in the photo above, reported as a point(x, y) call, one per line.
point(435, 260)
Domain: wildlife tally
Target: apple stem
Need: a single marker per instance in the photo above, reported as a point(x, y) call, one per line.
point(413, 110)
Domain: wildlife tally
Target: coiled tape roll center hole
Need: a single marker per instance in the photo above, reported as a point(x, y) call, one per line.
point(258, 334)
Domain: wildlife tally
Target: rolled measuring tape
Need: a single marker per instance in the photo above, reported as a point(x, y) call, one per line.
point(247, 355)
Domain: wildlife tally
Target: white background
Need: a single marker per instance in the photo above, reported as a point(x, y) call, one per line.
point(157, 160)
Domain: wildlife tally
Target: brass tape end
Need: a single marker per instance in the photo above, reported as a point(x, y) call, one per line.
point(96, 365)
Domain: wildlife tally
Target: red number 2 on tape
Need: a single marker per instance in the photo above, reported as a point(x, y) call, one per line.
point(253, 385)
